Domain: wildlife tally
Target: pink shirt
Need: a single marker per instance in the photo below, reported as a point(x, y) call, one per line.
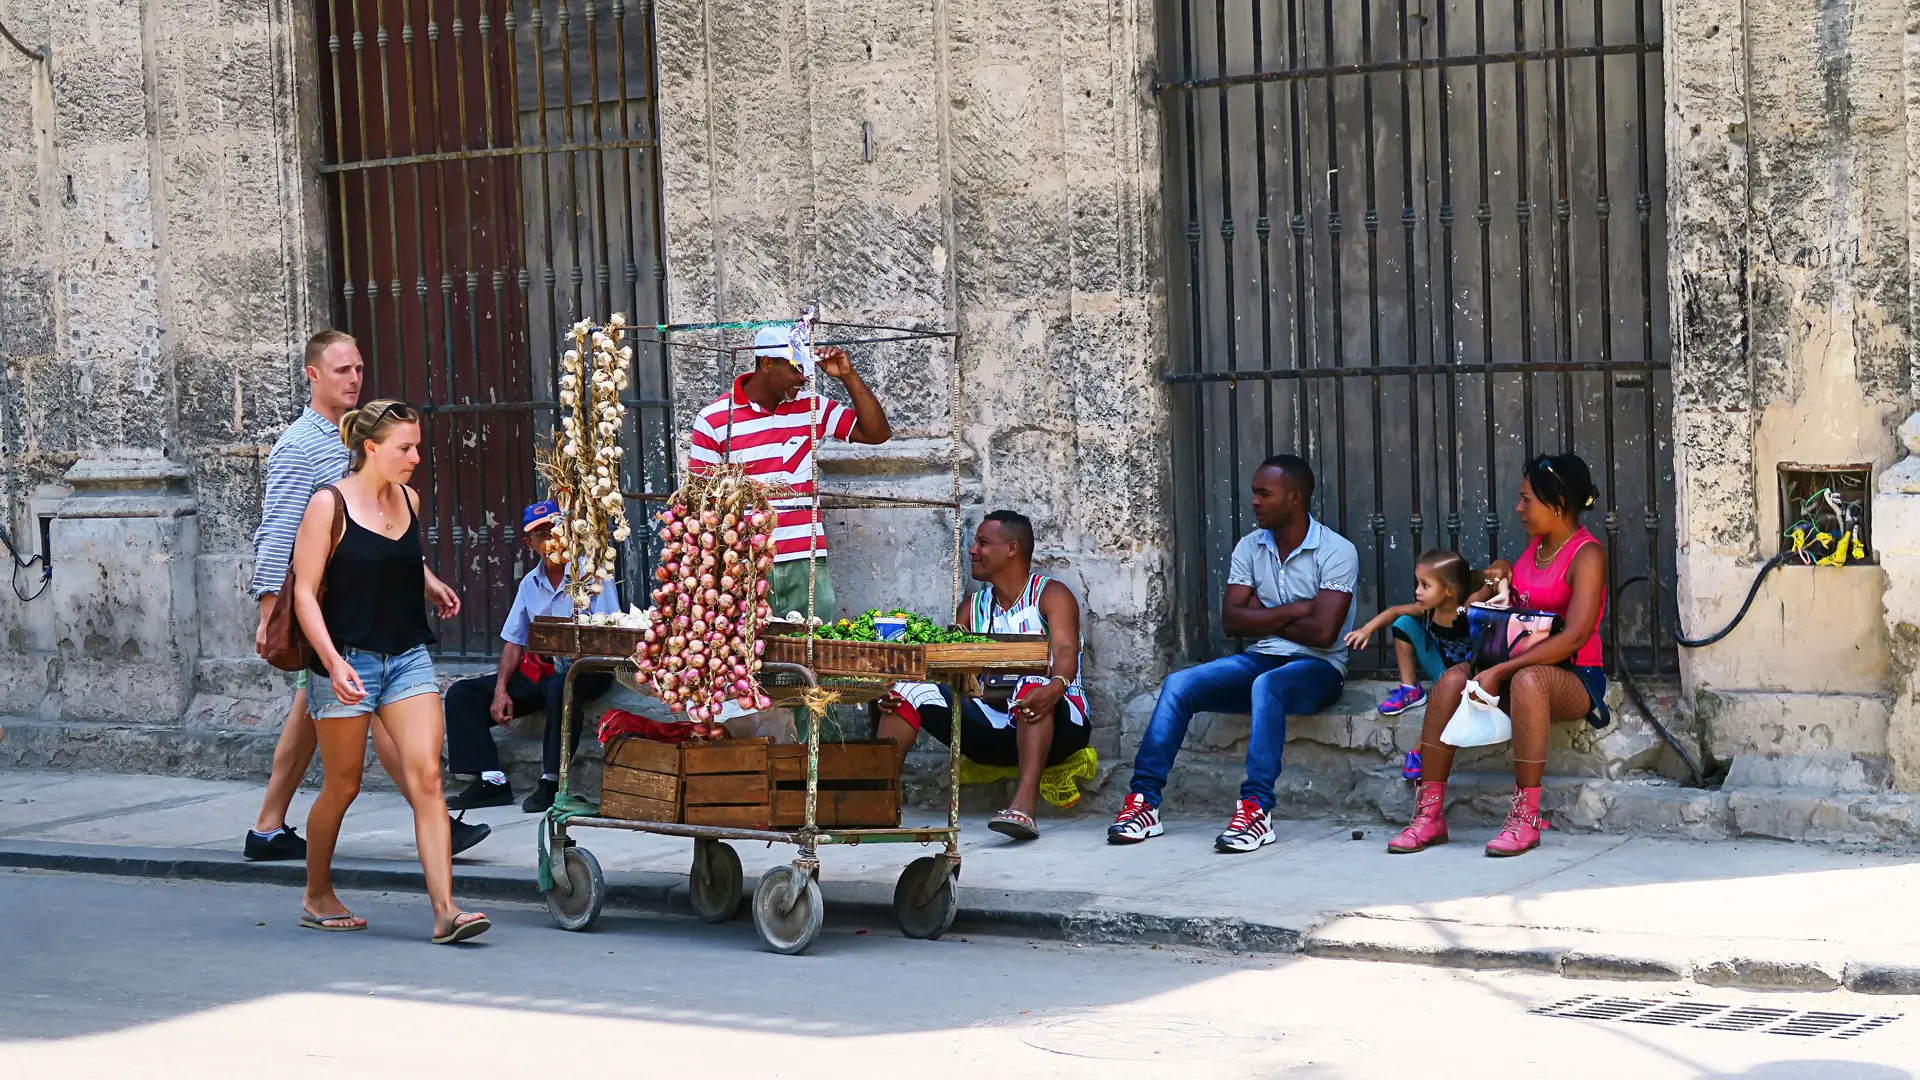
point(1549, 590)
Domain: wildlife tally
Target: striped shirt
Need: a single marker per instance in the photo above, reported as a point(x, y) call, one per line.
point(308, 456)
point(776, 448)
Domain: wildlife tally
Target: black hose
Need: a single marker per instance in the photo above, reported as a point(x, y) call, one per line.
point(1680, 638)
point(1640, 703)
point(19, 564)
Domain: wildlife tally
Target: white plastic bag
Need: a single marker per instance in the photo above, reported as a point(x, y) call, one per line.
point(1479, 721)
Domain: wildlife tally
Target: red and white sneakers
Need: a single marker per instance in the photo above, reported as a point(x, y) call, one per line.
point(1250, 830)
point(1136, 822)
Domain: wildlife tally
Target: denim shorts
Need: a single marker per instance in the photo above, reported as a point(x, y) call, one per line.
point(386, 679)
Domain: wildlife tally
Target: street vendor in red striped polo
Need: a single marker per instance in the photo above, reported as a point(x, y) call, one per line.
point(763, 425)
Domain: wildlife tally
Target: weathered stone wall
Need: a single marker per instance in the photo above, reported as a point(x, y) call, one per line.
point(159, 256)
point(1788, 171)
point(162, 245)
point(1012, 195)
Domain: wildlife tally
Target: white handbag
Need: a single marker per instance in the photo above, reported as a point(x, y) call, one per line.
point(1479, 720)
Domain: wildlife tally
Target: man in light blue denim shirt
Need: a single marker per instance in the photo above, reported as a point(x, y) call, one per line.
point(1291, 588)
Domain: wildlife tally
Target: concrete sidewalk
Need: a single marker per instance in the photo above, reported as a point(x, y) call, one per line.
point(1751, 914)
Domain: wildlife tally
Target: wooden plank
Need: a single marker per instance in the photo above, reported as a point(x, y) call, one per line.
point(638, 782)
point(736, 756)
point(615, 804)
point(717, 789)
point(849, 657)
point(874, 760)
point(735, 817)
point(1022, 653)
point(656, 757)
point(553, 637)
point(839, 809)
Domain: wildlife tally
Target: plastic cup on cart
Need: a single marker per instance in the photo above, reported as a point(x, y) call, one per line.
point(890, 627)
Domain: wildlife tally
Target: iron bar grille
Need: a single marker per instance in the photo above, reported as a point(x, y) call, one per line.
point(493, 176)
point(1416, 241)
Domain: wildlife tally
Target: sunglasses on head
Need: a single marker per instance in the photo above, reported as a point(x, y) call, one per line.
point(399, 411)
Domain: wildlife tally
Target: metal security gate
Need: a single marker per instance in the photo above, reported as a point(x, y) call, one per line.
point(1416, 241)
point(492, 176)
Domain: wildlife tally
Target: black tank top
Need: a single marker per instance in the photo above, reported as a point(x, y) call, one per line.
point(376, 591)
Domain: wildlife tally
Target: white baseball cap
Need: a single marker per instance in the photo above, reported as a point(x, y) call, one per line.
point(777, 341)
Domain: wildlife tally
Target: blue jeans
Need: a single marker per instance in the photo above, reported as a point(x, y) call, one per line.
point(1270, 687)
point(386, 679)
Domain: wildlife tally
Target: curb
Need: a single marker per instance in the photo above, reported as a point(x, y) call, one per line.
point(1040, 915)
point(1029, 915)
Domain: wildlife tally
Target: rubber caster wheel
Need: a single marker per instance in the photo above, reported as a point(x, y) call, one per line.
point(792, 930)
point(578, 909)
point(715, 881)
point(922, 916)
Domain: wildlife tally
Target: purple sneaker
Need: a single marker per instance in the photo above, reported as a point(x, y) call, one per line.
point(1404, 697)
point(1410, 769)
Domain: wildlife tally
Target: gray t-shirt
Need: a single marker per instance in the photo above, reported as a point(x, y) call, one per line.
point(1324, 560)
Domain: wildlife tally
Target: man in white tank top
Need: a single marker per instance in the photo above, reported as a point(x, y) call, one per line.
point(1028, 722)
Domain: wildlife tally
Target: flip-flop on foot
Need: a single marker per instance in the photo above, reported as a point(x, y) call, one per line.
point(1011, 822)
point(342, 923)
point(475, 925)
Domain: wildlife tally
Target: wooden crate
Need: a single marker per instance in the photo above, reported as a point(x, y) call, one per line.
point(563, 637)
point(756, 784)
point(859, 786)
point(644, 781)
point(728, 783)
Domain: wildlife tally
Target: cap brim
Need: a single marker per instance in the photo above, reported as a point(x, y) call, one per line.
point(538, 523)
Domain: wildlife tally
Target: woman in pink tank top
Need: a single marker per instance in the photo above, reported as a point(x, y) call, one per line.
point(1564, 571)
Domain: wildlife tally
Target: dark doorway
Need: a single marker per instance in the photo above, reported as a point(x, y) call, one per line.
point(493, 177)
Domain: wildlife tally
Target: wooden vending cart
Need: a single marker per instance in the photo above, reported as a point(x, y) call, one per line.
point(787, 906)
point(751, 803)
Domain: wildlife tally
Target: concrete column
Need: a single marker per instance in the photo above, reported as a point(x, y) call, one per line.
point(1896, 522)
point(126, 618)
point(1788, 200)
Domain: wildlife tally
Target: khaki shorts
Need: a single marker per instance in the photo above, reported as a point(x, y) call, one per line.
point(787, 587)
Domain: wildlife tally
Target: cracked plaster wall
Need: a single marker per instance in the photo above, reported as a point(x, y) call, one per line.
point(159, 256)
point(1013, 195)
point(1791, 274)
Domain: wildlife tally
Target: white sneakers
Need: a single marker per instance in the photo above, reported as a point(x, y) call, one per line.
point(1250, 830)
point(1135, 822)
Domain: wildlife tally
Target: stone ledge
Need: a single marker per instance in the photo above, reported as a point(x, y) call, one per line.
point(1354, 726)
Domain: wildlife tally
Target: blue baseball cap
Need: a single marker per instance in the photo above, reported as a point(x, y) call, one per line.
point(543, 513)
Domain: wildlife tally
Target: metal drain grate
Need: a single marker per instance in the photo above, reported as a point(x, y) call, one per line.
point(1804, 1023)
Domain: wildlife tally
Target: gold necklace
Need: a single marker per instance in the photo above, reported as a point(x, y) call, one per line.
point(1538, 553)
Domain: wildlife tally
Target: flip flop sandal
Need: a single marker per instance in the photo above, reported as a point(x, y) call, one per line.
point(319, 922)
point(464, 931)
point(1013, 823)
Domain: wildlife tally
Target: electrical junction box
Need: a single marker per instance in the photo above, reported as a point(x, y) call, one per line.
point(1826, 514)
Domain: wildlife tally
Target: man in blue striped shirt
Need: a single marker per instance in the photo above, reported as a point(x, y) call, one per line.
point(310, 455)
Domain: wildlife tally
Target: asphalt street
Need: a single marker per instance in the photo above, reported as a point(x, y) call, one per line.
point(109, 976)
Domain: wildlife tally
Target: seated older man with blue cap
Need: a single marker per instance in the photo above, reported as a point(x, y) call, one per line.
point(524, 683)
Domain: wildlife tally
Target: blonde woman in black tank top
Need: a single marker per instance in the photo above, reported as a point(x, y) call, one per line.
point(369, 635)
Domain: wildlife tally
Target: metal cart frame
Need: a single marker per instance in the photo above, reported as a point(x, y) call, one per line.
point(787, 906)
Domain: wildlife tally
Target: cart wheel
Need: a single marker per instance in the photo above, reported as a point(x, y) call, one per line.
point(788, 932)
point(715, 881)
point(578, 910)
point(930, 917)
